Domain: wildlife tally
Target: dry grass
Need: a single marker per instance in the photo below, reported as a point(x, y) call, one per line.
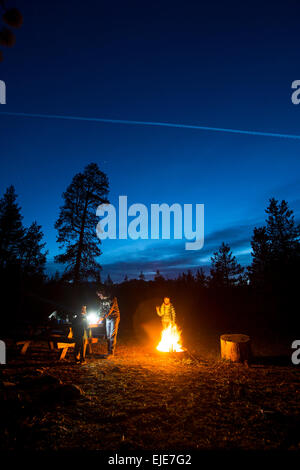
point(145, 400)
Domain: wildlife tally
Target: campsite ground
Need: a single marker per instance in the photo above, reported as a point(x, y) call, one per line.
point(145, 400)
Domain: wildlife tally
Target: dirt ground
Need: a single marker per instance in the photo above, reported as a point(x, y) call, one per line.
point(146, 400)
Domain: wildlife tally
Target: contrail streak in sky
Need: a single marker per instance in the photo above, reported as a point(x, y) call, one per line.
point(155, 124)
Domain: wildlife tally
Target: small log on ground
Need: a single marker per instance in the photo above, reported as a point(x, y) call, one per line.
point(236, 347)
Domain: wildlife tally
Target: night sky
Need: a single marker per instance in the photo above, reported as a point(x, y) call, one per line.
point(225, 65)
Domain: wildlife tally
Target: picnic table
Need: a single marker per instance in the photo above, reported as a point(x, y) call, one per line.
point(59, 339)
point(57, 342)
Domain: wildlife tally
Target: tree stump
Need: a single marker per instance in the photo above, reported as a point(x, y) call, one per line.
point(236, 348)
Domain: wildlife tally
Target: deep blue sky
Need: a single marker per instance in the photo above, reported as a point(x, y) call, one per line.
point(228, 64)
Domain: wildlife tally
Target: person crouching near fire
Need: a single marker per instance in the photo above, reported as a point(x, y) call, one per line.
point(79, 328)
point(109, 311)
point(167, 313)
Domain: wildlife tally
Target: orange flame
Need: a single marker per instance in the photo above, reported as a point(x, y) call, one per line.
point(170, 340)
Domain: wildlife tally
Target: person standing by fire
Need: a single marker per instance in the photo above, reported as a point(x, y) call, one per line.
point(109, 310)
point(167, 313)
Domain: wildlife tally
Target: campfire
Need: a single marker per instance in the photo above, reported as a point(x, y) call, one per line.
point(170, 340)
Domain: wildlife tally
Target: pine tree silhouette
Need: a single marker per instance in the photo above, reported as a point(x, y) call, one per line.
point(32, 256)
point(225, 269)
point(276, 247)
point(77, 222)
point(11, 228)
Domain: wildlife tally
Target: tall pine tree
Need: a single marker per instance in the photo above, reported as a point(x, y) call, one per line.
point(158, 277)
point(32, 256)
point(276, 247)
point(225, 270)
point(77, 222)
point(201, 278)
point(11, 228)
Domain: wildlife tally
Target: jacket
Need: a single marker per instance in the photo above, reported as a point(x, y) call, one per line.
point(109, 308)
point(80, 326)
point(167, 312)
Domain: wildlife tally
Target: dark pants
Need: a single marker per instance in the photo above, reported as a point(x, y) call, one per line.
point(80, 348)
point(112, 325)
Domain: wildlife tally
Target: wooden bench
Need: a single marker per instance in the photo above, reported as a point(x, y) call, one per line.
point(61, 341)
point(58, 341)
point(64, 345)
point(54, 343)
point(25, 343)
point(69, 344)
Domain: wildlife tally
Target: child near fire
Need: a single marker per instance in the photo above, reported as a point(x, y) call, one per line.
point(167, 312)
